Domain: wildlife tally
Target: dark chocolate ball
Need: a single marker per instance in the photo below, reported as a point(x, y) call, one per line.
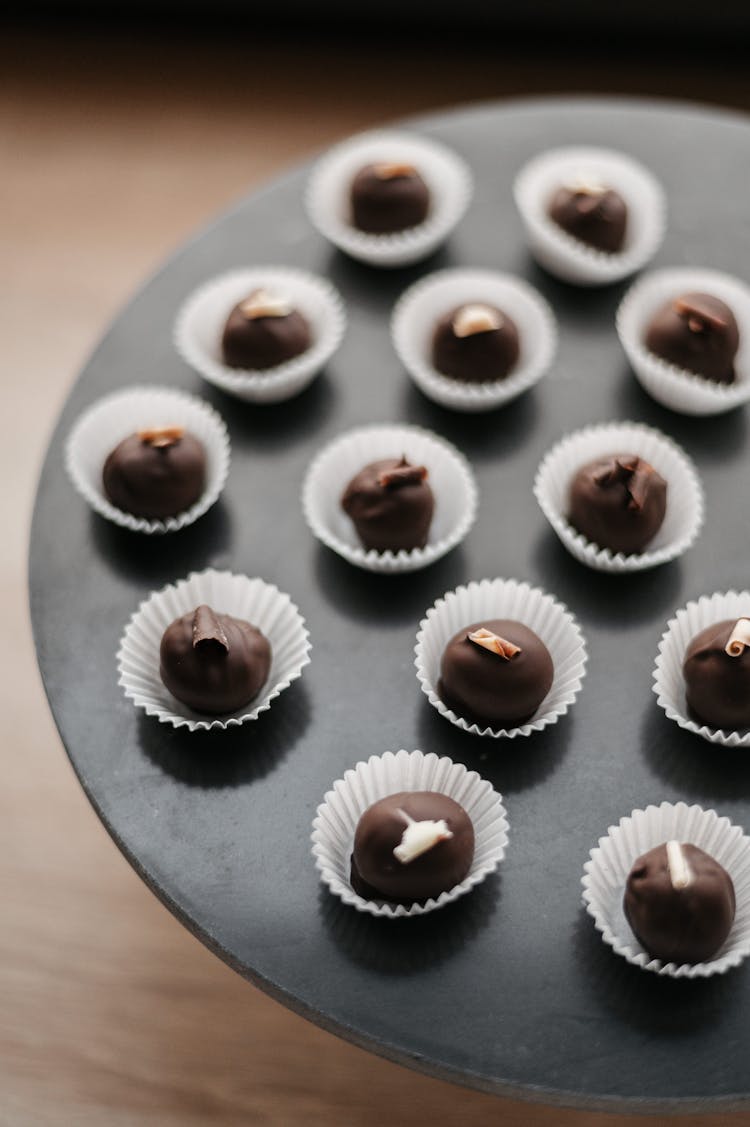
point(475, 342)
point(155, 473)
point(696, 332)
point(717, 684)
point(431, 858)
point(680, 903)
point(595, 215)
point(390, 504)
point(213, 662)
point(618, 502)
point(495, 673)
point(388, 196)
point(263, 331)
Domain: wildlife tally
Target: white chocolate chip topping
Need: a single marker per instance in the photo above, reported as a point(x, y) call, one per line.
point(471, 319)
point(419, 837)
point(679, 870)
point(262, 303)
point(494, 643)
point(391, 170)
point(587, 185)
point(739, 638)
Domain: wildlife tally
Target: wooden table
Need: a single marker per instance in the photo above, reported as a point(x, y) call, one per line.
point(115, 149)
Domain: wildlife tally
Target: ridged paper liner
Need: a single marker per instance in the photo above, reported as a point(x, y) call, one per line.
point(683, 519)
point(200, 323)
point(447, 175)
point(605, 876)
point(107, 422)
point(569, 258)
point(253, 601)
point(449, 475)
point(337, 817)
point(668, 384)
point(669, 682)
point(504, 598)
point(417, 310)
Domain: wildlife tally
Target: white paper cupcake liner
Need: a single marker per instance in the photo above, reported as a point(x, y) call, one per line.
point(669, 683)
point(337, 817)
point(449, 475)
point(417, 310)
point(606, 873)
point(669, 385)
point(200, 323)
point(251, 600)
point(107, 422)
point(446, 174)
point(504, 598)
point(568, 258)
point(685, 505)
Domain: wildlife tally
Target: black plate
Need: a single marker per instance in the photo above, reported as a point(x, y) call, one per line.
point(510, 990)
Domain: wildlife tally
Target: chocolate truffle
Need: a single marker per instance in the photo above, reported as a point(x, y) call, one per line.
point(155, 473)
point(592, 213)
point(213, 662)
point(679, 903)
point(696, 332)
point(618, 502)
point(475, 343)
point(717, 675)
point(262, 331)
point(495, 673)
point(388, 196)
point(411, 846)
point(390, 504)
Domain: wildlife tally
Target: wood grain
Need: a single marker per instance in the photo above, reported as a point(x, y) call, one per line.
point(115, 147)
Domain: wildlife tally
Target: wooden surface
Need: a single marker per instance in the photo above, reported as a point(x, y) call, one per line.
point(114, 149)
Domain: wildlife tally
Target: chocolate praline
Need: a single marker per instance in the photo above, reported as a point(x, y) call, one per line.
point(717, 682)
point(213, 662)
point(594, 214)
point(388, 196)
point(495, 672)
point(679, 902)
point(262, 331)
point(155, 473)
point(618, 502)
point(475, 342)
point(697, 332)
point(390, 503)
point(411, 846)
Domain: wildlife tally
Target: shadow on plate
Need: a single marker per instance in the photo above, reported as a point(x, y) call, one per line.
point(699, 770)
point(266, 426)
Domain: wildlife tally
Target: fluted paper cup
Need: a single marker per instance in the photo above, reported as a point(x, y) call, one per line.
point(605, 876)
point(669, 682)
point(200, 323)
point(110, 420)
point(418, 309)
point(337, 817)
point(668, 384)
point(510, 599)
point(683, 519)
point(447, 175)
point(449, 474)
point(250, 599)
point(560, 253)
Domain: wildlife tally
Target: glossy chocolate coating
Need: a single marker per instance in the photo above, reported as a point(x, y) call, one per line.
point(390, 504)
point(696, 332)
point(597, 218)
point(257, 343)
point(618, 502)
point(382, 204)
point(377, 874)
point(214, 663)
point(155, 479)
point(476, 357)
point(717, 686)
point(487, 689)
point(679, 925)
